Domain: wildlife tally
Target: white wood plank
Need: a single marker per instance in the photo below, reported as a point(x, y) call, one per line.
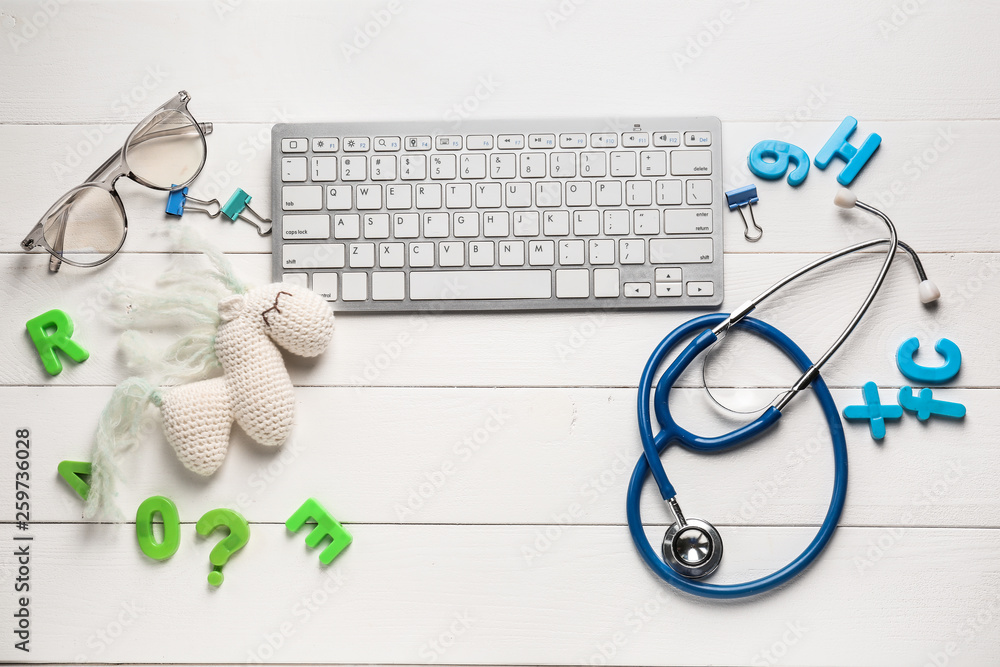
point(397, 589)
point(918, 177)
point(95, 59)
point(527, 456)
point(558, 349)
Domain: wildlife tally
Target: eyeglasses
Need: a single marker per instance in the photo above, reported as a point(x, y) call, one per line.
point(87, 225)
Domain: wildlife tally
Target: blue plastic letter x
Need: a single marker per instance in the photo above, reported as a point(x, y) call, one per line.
point(926, 405)
point(873, 411)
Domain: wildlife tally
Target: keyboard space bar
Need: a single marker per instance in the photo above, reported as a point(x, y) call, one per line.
point(468, 285)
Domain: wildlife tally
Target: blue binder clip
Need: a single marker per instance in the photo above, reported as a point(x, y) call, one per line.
point(737, 199)
point(178, 201)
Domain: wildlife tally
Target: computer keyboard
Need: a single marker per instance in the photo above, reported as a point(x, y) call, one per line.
point(501, 215)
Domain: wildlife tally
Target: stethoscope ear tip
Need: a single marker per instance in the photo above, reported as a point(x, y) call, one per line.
point(845, 198)
point(928, 291)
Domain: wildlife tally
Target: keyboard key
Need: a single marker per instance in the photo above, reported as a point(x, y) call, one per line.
point(326, 145)
point(639, 290)
point(301, 197)
point(390, 256)
point(511, 253)
point(668, 193)
point(325, 284)
point(429, 195)
point(354, 168)
point(518, 195)
point(697, 139)
point(496, 224)
point(541, 141)
point(449, 142)
point(668, 275)
point(398, 196)
point(571, 252)
point(687, 221)
point(669, 139)
point(376, 225)
point(562, 165)
point(635, 139)
point(479, 142)
point(305, 226)
point(468, 285)
point(668, 289)
point(701, 288)
point(388, 286)
point(690, 163)
point(507, 142)
point(532, 165)
point(616, 223)
point(604, 140)
point(451, 253)
point(548, 194)
point(639, 193)
point(573, 140)
point(646, 221)
point(293, 169)
point(443, 167)
point(632, 251)
point(356, 144)
point(586, 223)
point(481, 253)
point(421, 143)
point(384, 168)
point(369, 197)
point(458, 195)
point(421, 255)
point(572, 283)
point(680, 251)
point(354, 286)
point(541, 253)
point(384, 144)
point(578, 193)
point(323, 168)
point(489, 195)
point(347, 226)
point(602, 251)
point(296, 279)
point(607, 283)
point(339, 198)
point(413, 167)
point(526, 223)
point(653, 163)
point(503, 165)
point(473, 165)
point(593, 164)
point(294, 145)
point(406, 225)
point(609, 193)
point(361, 255)
point(436, 225)
point(622, 163)
point(466, 225)
point(699, 191)
point(555, 223)
point(313, 256)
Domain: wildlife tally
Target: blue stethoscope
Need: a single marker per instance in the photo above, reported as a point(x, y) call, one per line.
point(692, 548)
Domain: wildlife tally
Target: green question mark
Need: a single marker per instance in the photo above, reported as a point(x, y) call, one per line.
point(239, 534)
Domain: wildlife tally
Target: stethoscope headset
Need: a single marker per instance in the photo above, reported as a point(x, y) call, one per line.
point(692, 548)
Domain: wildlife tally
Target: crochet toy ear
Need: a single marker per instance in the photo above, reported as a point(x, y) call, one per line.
point(232, 306)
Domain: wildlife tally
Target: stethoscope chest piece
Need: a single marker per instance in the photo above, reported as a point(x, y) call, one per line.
point(692, 549)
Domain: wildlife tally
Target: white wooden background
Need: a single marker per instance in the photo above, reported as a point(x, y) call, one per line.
point(490, 568)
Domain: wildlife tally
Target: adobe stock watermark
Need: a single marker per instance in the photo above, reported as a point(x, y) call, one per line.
point(434, 648)
point(94, 135)
point(917, 165)
point(984, 618)
point(103, 638)
point(468, 106)
point(899, 16)
point(712, 30)
point(562, 12)
point(26, 29)
point(301, 612)
point(462, 451)
point(815, 100)
point(364, 34)
point(260, 479)
point(773, 654)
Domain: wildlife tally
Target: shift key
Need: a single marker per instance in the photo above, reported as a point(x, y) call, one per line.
point(680, 251)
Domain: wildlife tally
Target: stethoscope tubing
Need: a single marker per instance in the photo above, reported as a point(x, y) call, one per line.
point(653, 445)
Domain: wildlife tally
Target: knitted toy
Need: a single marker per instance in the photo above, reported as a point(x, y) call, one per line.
point(232, 328)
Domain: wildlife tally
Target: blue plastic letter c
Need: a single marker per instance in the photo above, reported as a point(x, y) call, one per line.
point(929, 374)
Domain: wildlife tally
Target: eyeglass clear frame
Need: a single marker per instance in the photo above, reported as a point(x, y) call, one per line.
point(106, 176)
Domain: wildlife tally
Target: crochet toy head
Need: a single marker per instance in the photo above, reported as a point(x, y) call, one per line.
point(229, 327)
